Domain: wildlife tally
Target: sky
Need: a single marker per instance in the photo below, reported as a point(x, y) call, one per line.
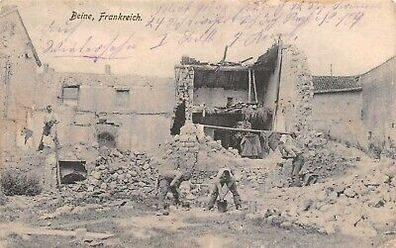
point(353, 37)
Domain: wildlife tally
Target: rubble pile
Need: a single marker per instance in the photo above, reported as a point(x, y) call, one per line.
point(124, 174)
point(197, 153)
point(177, 153)
point(252, 177)
point(3, 198)
point(325, 160)
point(120, 174)
point(360, 204)
point(201, 176)
point(327, 165)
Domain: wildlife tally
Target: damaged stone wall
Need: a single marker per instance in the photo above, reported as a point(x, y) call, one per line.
point(184, 76)
point(19, 62)
point(294, 112)
point(141, 122)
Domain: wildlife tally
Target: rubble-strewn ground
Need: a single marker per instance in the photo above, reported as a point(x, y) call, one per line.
point(133, 225)
point(353, 203)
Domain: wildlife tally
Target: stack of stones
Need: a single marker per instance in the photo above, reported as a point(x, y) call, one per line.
point(188, 147)
point(121, 175)
point(181, 153)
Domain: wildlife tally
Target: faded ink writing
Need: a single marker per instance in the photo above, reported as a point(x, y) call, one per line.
point(202, 23)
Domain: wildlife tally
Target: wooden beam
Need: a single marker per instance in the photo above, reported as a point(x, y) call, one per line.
point(215, 67)
point(278, 82)
point(250, 85)
point(243, 61)
point(225, 54)
point(58, 175)
point(254, 86)
point(240, 129)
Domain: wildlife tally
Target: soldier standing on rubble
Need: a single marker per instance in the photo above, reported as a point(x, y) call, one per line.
point(50, 139)
point(49, 129)
point(169, 181)
point(290, 151)
point(224, 178)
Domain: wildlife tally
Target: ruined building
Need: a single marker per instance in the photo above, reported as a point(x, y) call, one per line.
point(18, 64)
point(272, 94)
point(129, 112)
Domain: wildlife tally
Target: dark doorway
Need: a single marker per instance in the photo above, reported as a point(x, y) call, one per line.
point(72, 171)
point(106, 139)
point(180, 119)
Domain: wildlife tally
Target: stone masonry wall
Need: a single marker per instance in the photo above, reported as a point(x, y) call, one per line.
point(296, 91)
point(184, 88)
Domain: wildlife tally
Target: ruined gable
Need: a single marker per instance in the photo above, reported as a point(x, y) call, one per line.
point(296, 92)
point(15, 40)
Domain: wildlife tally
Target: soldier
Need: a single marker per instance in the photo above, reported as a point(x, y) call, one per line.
point(289, 151)
point(169, 181)
point(49, 129)
point(224, 183)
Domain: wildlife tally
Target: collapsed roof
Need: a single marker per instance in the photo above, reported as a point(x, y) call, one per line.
point(230, 75)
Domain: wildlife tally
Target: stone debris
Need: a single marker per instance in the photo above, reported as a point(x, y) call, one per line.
point(3, 198)
point(118, 174)
point(343, 198)
point(320, 166)
point(360, 204)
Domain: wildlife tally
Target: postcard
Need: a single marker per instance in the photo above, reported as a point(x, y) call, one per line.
point(206, 123)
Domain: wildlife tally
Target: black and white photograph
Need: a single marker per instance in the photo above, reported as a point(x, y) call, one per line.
point(198, 123)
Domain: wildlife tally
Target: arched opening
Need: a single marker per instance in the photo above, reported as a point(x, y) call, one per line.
point(106, 139)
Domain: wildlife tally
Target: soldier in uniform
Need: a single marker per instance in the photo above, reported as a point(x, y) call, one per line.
point(224, 183)
point(169, 181)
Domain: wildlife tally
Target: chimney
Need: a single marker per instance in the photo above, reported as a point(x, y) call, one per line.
point(331, 69)
point(107, 70)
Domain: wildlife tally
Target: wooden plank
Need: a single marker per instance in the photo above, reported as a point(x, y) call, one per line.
point(58, 175)
point(250, 85)
point(243, 61)
point(278, 83)
point(216, 67)
point(225, 54)
point(240, 129)
point(254, 86)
